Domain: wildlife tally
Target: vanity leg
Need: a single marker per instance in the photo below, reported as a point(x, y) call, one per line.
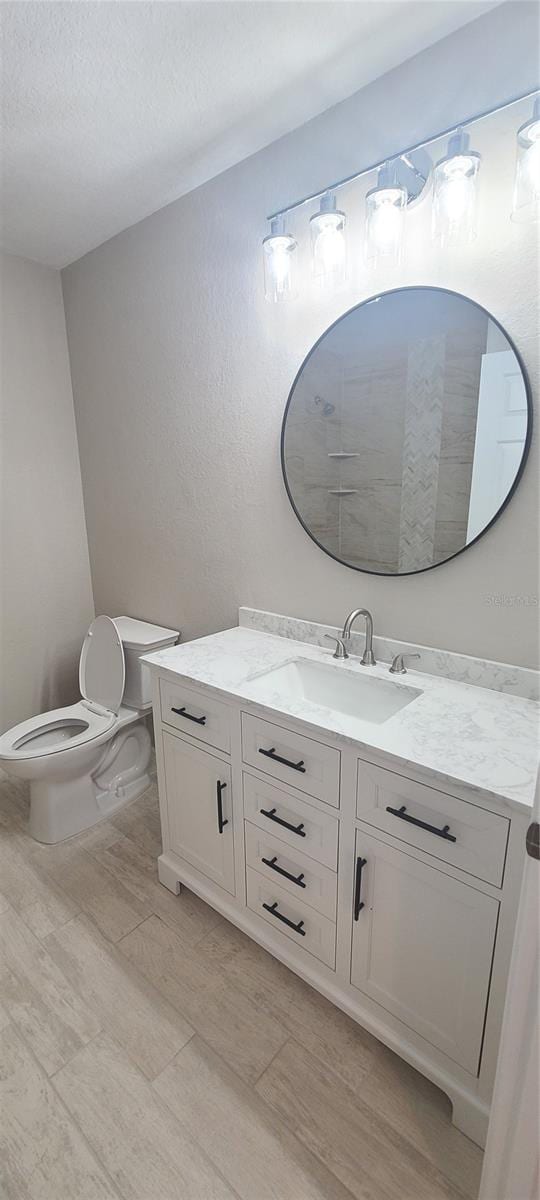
point(471, 1117)
point(168, 876)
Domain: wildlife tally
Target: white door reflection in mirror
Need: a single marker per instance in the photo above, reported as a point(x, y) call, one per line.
point(501, 427)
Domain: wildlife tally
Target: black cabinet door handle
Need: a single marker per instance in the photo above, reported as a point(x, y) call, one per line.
point(181, 712)
point(273, 863)
point(358, 903)
point(273, 909)
point(405, 816)
point(221, 820)
point(532, 840)
point(299, 766)
point(272, 816)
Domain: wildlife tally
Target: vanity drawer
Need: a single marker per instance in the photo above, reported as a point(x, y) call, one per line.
point(292, 758)
point(304, 878)
point(313, 932)
point(294, 821)
point(195, 713)
point(460, 833)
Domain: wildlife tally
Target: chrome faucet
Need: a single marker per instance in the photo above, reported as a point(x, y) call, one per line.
point(341, 649)
point(398, 663)
point(368, 658)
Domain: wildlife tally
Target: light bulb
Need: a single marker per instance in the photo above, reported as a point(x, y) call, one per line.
point(526, 204)
point(279, 260)
point(454, 193)
point(328, 244)
point(386, 205)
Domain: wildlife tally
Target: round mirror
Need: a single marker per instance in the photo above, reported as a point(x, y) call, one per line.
point(406, 431)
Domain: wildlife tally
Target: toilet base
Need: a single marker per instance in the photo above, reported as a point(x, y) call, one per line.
point(60, 808)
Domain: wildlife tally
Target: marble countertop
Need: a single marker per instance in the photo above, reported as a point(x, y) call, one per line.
point(470, 736)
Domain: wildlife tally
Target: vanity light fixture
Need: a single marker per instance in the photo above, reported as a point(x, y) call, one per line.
point(526, 205)
point(454, 193)
point(386, 205)
point(403, 181)
point(279, 250)
point(328, 243)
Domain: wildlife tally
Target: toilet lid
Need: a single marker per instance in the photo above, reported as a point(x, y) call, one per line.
point(102, 669)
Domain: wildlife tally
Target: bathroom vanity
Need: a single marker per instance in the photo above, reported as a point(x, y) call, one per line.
point(368, 830)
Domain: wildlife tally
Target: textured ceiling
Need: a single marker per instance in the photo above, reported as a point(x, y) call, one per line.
point(113, 109)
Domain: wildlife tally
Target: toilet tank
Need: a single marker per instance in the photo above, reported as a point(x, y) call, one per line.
point(138, 638)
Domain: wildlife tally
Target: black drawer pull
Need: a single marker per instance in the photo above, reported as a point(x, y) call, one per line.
point(273, 863)
point(271, 814)
point(221, 820)
point(358, 903)
point(405, 816)
point(181, 712)
point(299, 766)
point(273, 909)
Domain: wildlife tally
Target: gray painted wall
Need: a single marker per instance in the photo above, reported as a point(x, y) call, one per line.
point(181, 372)
point(45, 591)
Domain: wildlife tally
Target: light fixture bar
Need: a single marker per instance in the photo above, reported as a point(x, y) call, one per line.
point(333, 187)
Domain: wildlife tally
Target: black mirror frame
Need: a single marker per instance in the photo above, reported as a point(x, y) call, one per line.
point(524, 456)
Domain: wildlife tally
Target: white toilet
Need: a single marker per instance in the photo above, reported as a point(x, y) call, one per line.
point(86, 761)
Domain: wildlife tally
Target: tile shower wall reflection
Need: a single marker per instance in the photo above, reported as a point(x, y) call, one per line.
point(422, 435)
point(380, 437)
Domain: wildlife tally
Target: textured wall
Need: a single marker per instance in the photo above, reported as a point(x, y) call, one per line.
point(181, 372)
point(45, 591)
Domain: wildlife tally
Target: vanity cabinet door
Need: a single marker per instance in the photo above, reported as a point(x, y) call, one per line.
point(199, 806)
point(422, 947)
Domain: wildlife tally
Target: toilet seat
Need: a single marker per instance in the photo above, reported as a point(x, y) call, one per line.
point(101, 679)
point(36, 738)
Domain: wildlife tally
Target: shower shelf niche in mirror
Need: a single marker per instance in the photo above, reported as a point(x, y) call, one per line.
point(406, 431)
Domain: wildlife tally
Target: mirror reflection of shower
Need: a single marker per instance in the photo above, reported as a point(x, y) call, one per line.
point(405, 430)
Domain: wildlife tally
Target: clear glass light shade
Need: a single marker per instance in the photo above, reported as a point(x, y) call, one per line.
point(386, 206)
point(454, 194)
point(526, 205)
point(279, 264)
point(328, 244)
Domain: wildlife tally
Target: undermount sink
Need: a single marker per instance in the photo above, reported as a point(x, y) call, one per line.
point(335, 687)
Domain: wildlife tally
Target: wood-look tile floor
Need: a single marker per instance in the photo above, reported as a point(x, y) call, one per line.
point(151, 1051)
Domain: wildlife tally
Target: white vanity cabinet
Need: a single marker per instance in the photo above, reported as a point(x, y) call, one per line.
point(198, 795)
point(391, 894)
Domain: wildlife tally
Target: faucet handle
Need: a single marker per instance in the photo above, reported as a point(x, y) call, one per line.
point(398, 663)
point(340, 650)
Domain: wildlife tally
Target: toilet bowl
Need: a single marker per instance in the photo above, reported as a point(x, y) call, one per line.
point(86, 761)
